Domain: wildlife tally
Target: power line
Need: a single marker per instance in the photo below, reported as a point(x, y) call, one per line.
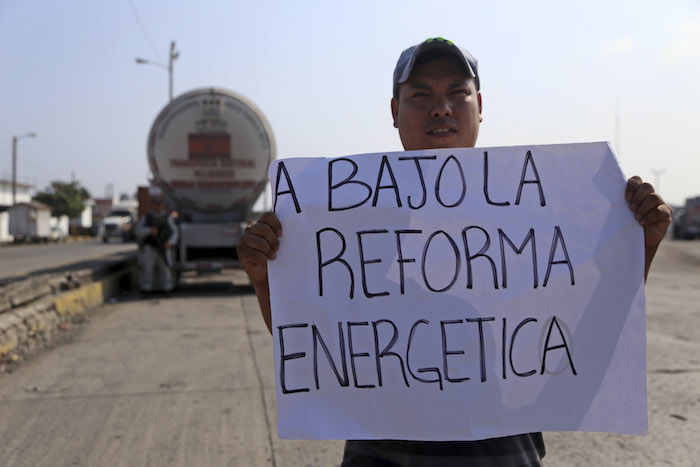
point(41, 170)
point(143, 29)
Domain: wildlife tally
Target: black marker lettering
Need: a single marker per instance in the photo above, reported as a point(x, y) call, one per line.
point(446, 352)
point(322, 264)
point(368, 294)
point(341, 344)
point(486, 183)
point(420, 370)
point(563, 345)
point(439, 179)
point(503, 349)
point(401, 260)
point(416, 159)
point(457, 261)
point(379, 355)
point(529, 159)
point(512, 342)
point(393, 185)
point(354, 355)
point(556, 239)
point(284, 357)
point(530, 237)
point(482, 353)
point(349, 179)
point(290, 188)
point(481, 253)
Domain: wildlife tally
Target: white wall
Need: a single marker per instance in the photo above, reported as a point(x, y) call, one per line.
point(63, 223)
point(23, 193)
point(86, 216)
point(5, 227)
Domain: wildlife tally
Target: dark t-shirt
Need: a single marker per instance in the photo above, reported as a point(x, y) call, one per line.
point(518, 450)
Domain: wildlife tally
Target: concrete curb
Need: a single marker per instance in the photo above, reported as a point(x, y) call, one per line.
point(34, 325)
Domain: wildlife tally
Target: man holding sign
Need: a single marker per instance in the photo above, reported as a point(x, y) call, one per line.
point(437, 104)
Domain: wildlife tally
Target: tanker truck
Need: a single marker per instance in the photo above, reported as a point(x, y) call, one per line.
point(209, 150)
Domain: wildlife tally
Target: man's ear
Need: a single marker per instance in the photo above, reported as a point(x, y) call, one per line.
point(481, 116)
point(395, 111)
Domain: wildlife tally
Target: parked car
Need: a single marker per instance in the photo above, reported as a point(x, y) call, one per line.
point(57, 235)
point(686, 220)
point(119, 223)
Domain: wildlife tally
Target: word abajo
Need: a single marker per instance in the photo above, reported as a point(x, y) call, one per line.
point(385, 166)
point(349, 352)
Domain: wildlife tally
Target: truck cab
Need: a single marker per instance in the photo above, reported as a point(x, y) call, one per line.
point(686, 220)
point(119, 223)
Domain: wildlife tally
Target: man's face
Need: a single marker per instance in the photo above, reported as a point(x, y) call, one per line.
point(438, 107)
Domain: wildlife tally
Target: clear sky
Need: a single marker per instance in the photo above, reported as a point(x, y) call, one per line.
point(551, 72)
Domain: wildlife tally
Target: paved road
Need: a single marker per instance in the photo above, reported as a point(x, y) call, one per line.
point(188, 381)
point(179, 381)
point(20, 260)
point(673, 375)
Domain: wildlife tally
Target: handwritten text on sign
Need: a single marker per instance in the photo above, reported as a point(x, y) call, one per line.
point(457, 294)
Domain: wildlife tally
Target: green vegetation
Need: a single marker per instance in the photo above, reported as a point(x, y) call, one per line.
point(64, 198)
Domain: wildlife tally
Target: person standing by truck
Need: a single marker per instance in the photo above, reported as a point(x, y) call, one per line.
point(157, 235)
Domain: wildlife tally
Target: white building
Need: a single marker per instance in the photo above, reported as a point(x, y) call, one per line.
point(23, 196)
point(84, 220)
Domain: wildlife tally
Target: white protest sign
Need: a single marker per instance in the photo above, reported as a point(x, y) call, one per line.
point(457, 294)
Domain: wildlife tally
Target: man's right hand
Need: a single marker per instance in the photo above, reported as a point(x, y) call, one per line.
point(258, 244)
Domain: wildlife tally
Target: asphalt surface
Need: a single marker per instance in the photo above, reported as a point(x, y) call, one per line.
point(188, 380)
point(673, 375)
point(22, 260)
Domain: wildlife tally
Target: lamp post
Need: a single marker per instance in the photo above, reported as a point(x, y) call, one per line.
point(15, 139)
point(174, 54)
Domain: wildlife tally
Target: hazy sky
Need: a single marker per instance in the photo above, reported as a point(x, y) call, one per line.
point(551, 72)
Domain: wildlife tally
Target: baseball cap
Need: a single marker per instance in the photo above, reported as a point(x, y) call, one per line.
point(409, 57)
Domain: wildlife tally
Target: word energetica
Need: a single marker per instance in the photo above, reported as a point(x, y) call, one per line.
point(384, 352)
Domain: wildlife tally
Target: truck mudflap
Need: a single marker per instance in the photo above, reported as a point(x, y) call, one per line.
point(209, 247)
point(207, 265)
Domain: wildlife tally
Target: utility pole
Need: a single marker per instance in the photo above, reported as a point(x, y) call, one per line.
point(172, 56)
point(618, 143)
point(15, 139)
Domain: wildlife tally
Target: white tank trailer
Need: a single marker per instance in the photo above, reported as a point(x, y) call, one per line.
point(209, 150)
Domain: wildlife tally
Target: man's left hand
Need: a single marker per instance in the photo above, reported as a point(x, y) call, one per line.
point(649, 209)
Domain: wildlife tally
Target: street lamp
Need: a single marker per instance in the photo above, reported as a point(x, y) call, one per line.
point(14, 162)
point(169, 67)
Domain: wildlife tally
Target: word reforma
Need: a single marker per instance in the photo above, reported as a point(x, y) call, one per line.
point(470, 254)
